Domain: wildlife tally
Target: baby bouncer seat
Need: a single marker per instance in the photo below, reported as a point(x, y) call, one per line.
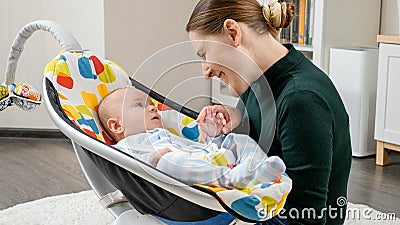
point(134, 192)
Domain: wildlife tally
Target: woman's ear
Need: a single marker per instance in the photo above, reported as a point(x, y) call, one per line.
point(115, 126)
point(232, 28)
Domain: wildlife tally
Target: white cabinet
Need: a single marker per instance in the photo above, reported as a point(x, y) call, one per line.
point(387, 127)
point(354, 73)
point(387, 121)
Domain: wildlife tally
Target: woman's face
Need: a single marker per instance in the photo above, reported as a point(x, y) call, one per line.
point(219, 59)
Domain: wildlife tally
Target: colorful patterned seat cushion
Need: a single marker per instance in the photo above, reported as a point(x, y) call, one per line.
point(83, 79)
point(259, 202)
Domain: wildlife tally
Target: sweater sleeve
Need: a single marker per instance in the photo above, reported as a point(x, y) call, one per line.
point(305, 130)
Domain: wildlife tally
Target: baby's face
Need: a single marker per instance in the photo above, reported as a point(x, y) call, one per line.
point(139, 113)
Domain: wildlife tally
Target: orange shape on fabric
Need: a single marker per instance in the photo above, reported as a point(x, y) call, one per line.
point(68, 114)
point(90, 100)
point(65, 81)
point(71, 112)
point(217, 189)
point(103, 90)
point(90, 133)
point(61, 96)
point(162, 107)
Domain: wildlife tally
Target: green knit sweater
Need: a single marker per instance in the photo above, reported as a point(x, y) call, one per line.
point(310, 133)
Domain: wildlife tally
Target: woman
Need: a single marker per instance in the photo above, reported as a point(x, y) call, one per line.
point(312, 126)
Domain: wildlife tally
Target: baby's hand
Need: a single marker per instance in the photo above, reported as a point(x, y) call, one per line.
point(210, 127)
point(223, 115)
point(156, 155)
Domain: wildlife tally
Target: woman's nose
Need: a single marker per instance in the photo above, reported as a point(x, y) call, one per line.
point(208, 72)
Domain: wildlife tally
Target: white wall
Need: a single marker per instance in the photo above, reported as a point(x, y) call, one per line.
point(84, 19)
point(389, 19)
point(135, 30)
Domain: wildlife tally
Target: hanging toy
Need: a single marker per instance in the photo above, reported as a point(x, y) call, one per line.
point(5, 100)
point(23, 95)
point(26, 97)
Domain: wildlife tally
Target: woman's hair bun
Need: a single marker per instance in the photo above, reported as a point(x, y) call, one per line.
point(278, 14)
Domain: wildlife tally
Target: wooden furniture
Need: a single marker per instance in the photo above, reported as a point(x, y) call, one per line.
point(387, 120)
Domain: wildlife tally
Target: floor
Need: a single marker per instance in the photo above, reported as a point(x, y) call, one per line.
point(31, 169)
point(376, 186)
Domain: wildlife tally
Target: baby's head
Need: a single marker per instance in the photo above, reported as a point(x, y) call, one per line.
point(128, 111)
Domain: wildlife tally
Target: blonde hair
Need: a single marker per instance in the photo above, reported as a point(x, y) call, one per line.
point(209, 15)
point(104, 113)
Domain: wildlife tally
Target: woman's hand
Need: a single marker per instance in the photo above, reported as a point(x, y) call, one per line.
point(224, 116)
point(156, 155)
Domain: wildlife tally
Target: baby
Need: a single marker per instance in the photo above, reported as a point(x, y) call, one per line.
point(130, 117)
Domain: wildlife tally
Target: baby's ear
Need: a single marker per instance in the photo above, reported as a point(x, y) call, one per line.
point(114, 125)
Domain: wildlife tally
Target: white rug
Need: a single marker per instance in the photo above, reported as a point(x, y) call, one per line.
point(78, 208)
point(83, 208)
